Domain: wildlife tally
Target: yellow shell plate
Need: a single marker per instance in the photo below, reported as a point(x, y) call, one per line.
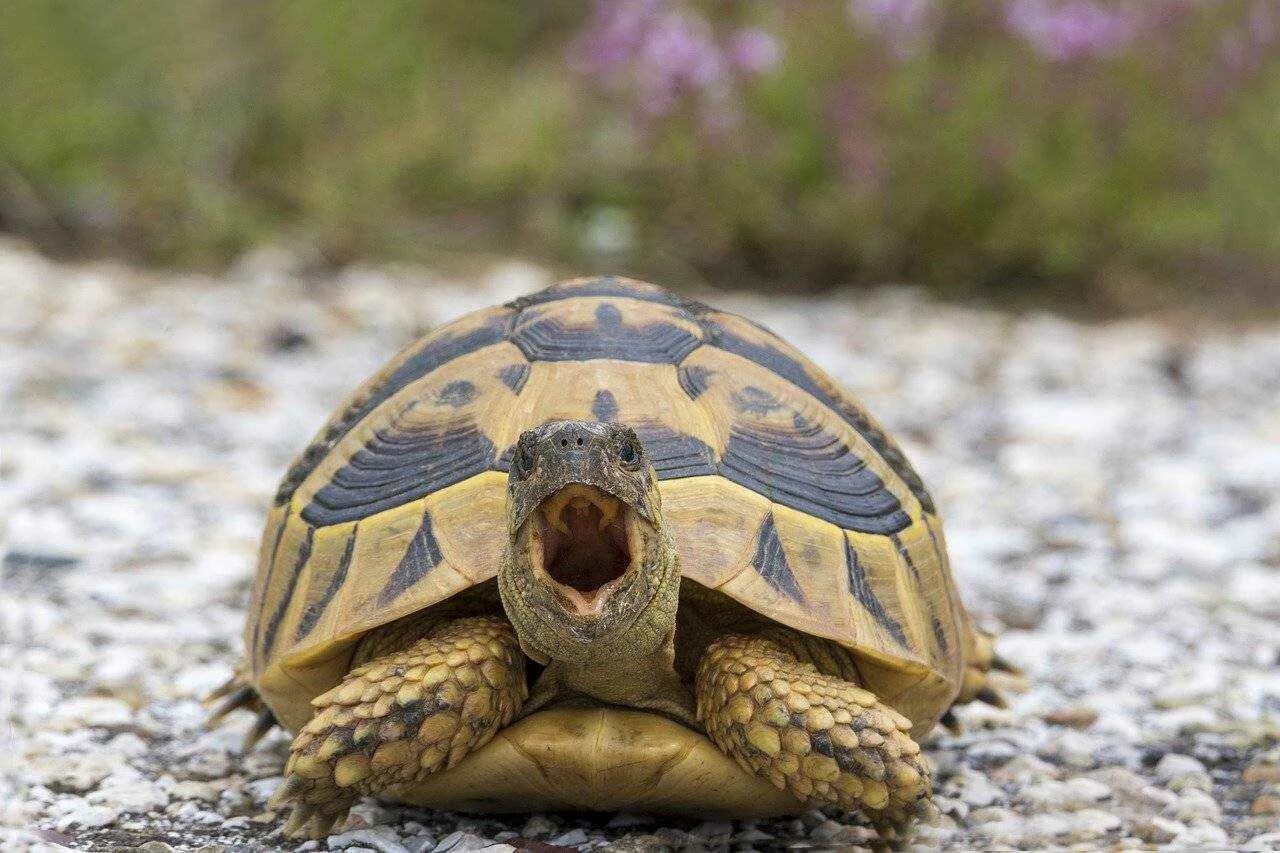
point(638, 762)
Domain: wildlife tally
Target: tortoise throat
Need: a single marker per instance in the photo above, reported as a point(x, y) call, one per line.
point(585, 541)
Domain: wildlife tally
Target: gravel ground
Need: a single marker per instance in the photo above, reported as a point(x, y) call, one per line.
point(1110, 493)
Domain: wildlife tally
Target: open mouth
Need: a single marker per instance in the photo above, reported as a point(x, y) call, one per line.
point(590, 542)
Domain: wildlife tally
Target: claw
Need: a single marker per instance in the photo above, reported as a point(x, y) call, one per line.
point(292, 787)
point(1003, 665)
point(222, 690)
point(991, 697)
point(241, 697)
point(266, 722)
point(951, 723)
point(322, 825)
point(298, 818)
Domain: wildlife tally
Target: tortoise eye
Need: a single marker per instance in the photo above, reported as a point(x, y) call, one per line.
point(629, 452)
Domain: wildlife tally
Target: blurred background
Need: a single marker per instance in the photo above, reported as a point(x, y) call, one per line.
point(1039, 238)
point(1098, 156)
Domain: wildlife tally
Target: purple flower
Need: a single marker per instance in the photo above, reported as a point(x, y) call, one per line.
point(754, 51)
point(1073, 29)
point(903, 24)
point(1262, 21)
point(661, 53)
point(616, 33)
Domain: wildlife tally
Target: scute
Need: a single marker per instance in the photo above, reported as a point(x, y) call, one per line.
point(779, 490)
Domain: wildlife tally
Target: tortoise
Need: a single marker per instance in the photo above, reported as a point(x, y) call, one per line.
point(604, 548)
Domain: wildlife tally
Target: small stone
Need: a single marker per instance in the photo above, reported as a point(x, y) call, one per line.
point(642, 843)
point(713, 830)
point(1091, 824)
point(1267, 841)
point(752, 836)
point(1182, 771)
point(133, 796)
point(1158, 830)
point(1201, 835)
point(380, 838)
point(1194, 804)
point(1076, 718)
point(208, 765)
point(86, 816)
point(537, 826)
point(1081, 792)
point(975, 789)
point(1255, 773)
point(1266, 804)
point(572, 838)
point(1025, 769)
point(91, 711)
point(461, 842)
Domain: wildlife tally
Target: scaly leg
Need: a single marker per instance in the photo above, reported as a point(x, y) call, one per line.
point(401, 716)
point(822, 738)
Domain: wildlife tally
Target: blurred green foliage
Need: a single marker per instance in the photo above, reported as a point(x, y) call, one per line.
point(953, 153)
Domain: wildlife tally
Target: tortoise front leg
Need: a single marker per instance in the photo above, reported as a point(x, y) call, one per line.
point(821, 738)
point(400, 716)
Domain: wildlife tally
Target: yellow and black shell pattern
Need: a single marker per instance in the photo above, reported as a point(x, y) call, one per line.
point(779, 489)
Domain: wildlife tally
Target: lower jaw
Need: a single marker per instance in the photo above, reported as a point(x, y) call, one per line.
point(600, 759)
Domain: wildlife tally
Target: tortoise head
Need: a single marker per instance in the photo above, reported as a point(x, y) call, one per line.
point(588, 562)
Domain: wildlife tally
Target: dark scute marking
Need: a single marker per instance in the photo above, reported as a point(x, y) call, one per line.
point(457, 394)
point(605, 407)
point(316, 608)
point(940, 635)
point(548, 339)
point(933, 538)
point(421, 557)
point(794, 372)
point(399, 465)
point(609, 286)
point(514, 376)
point(861, 589)
point(813, 471)
point(304, 554)
point(608, 316)
point(888, 450)
point(694, 379)
point(675, 454)
point(266, 583)
point(770, 561)
point(437, 351)
point(906, 556)
point(754, 401)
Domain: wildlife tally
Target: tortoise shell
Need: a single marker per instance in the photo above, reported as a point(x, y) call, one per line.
point(779, 489)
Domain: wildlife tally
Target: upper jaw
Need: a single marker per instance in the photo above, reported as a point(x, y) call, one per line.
point(586, 546)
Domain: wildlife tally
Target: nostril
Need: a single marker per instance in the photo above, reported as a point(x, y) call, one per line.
point(579, 441)
point(564, 442)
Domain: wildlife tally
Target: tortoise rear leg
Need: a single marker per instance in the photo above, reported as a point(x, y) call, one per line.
point(402, 715)
point(822, 738)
